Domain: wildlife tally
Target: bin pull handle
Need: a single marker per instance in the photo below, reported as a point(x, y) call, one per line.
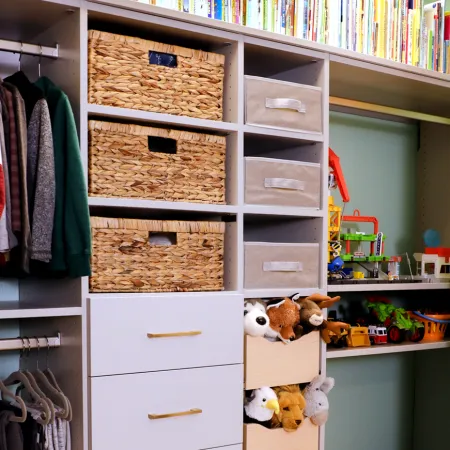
point(284, 183)
point(282, 266)
point(286, 103)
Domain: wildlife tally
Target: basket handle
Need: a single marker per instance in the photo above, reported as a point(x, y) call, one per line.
point(431, 319)
point(286, 103)
point(282, 266)
point(284, 183)
point(162, 59)
point(157, 144)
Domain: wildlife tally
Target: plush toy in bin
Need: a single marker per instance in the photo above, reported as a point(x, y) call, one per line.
point(260, 406)
point(292, 403)
point(284, 315)
point(316, 399)
point(256, 321)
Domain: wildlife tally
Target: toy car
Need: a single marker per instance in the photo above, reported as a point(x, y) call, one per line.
point(378, 335)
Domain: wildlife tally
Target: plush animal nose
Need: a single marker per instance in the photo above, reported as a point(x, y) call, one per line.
point(261, 320)
point(298, 422)
point(292, 338)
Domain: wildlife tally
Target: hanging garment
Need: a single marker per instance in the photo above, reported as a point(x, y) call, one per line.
point(71, 249)
point(41, 182)
point(22, 149)
point(11, 436)
point(13, 161)
point(30, 93)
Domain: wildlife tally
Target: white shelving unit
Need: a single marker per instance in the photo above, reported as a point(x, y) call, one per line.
point(378, 287)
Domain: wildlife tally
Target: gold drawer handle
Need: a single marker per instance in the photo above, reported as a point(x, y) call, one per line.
point(180, 334)
point(191, 412)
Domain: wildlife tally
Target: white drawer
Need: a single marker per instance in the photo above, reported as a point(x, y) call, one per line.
point(121, 406)
point(279, 104)
point(273, 265)
point(282, 183)
point(204, 330)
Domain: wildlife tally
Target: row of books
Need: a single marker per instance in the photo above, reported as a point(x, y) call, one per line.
point(406, 31)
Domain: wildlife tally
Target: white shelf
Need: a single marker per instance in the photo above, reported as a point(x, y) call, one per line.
point(387, 287)
point(268, 293)
point(262, 131)
point(386, 349)
point(166, 119)
point(13, 310)
point(283, 211)
point(136, 295)
point(160, 205)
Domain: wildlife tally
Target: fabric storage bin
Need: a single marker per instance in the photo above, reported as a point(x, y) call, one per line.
point(156, 255)
point(276, 266)
point(257, 437)
point(129, 72)
point(132, 161)
point(280, 104)
point(295, 363)
point(282, 183)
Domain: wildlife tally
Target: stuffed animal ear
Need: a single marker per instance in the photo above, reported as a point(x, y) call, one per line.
point(327, 303)
point(275, 303)
point(317, 382)
point(296, 297)
point(327, 385)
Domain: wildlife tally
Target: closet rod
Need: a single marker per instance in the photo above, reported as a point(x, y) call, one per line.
point(29, 49)
point(24, 343)
point(354, 104)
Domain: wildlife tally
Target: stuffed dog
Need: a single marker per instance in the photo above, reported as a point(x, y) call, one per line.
point(284, 315)
point(256, 321)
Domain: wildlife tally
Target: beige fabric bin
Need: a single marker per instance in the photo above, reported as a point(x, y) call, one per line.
point(283, 105)
point(275, 266)
point(282, 183)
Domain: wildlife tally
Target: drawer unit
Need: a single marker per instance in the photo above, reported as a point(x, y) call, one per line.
point(181, 409)
point(279, 104)
point(257, 437)
point(164, 332)
point(293, 363)
point(282, 183)
point(281, 265)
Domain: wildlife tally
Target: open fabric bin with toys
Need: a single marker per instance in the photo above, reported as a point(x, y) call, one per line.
point(286, 397)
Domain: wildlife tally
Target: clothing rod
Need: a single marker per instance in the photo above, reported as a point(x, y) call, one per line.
point(354, 104)
point(30, 342)
point(29, 49)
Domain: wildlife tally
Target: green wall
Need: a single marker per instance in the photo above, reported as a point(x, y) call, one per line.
point(378, 159)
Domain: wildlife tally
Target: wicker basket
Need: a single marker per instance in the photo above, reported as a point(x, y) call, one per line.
point(120, 74)
point(125, 259)
point(122, 163)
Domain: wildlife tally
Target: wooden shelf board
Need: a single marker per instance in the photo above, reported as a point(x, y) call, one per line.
point(160, 205)
point(14, 310)
point(268, 293)
point(294, 135)
point(146, 117)
point(386, 349)
point(387, 287)
point(131, 295)
point(286, 211)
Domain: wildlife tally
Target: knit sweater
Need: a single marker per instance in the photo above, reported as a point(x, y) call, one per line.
point(71, 250)
point(41, 182)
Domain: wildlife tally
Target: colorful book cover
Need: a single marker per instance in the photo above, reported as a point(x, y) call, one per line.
point(218, 9)
point(283, 17)
point(202, 8)
point(186, 6)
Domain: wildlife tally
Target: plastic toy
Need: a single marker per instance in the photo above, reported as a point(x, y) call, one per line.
point(284, 316)
point(256, 321)
point(315, 394)
point(435, 325)
point(358, 275)
point(377, 335)
point(260, 406)
point(358, 337)
point(292, 403)
point(398, 322)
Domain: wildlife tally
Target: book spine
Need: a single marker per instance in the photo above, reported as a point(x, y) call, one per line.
point(283, 17)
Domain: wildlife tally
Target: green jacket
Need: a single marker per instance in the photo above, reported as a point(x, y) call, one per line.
point(71, 247)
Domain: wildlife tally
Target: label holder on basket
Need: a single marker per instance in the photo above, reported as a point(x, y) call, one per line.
point(162, 59)
point(158, 144)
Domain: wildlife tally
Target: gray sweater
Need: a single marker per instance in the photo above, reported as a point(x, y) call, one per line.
point(41, 182)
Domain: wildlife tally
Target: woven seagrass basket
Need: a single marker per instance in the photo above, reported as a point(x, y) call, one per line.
point(125, 259)
point(134, 73)
point(128, 161)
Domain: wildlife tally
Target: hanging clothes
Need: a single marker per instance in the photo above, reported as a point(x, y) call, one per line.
point(22, 149)
point(71, 249)
point(41, 182)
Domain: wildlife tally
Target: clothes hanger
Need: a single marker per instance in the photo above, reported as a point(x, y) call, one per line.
point(59, 399)
point(51, 377)
point(7, 393)
point(19, 376)
point(35, 386)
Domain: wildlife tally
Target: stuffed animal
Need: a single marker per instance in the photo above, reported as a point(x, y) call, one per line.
point(260, 405)
point(292, 404)
point(284, 315)
point(316, 399)
point(256, 321)
point(311, 315)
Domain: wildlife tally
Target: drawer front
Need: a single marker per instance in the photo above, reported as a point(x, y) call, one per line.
point(215, 391)
point(282, 183)
point(274, 266)
point(295, 363)
point(278, 104)
point(187, 330)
